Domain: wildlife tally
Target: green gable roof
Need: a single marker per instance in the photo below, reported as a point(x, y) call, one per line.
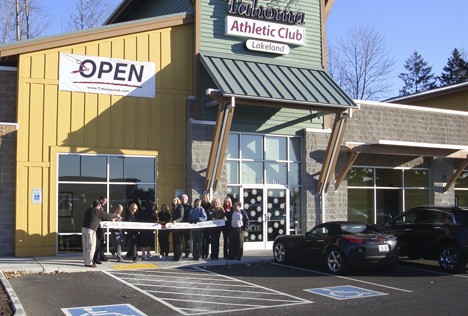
point(257, 80)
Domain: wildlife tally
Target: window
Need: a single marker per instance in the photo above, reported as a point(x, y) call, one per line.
point(84, 178)
point(320, 231)
point(461, 189)
point(266, 161)
point(263, 159)
point(376, 195)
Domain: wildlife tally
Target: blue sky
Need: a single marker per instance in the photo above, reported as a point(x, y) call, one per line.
point(432, 27)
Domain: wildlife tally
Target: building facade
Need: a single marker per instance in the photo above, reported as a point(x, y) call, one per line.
point(237, 104)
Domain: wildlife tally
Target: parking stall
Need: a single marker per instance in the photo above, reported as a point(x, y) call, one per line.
point(199, 291)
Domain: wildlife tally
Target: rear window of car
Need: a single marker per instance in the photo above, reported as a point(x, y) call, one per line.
point(461, 216)
point(353, 228)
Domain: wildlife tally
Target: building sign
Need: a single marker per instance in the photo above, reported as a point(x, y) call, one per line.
point(265, 30)
point(277, 22)
point(36, 196)
point(107, 76)
point(286, 11)
point(267, 47)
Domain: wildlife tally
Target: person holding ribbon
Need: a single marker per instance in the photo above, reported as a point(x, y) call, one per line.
point(177, 215)
point(118, 234)
point(216, 212)
point(196, 215)
point(163, 234)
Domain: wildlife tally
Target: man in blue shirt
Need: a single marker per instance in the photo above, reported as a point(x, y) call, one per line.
point(197, 214)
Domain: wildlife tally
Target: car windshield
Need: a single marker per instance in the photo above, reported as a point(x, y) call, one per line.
point(353, 228)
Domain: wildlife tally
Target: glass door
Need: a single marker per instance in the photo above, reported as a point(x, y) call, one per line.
point(267, 209)
point(253, 201)
point(276, 215)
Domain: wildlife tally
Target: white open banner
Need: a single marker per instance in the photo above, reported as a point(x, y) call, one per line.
point(102, 75)
point(155, 226)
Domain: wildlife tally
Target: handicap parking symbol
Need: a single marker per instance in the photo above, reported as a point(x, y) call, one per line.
point(104, 310)
point(345, 292)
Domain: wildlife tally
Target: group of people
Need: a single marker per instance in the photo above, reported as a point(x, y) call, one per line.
point(196, 241)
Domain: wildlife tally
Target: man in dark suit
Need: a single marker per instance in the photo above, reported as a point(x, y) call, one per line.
point(91, 221)
point(99, 255)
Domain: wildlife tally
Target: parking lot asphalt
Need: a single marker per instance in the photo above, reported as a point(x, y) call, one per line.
point(19, 266)
point(254, 286)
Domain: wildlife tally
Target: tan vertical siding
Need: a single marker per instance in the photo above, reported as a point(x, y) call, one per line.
point(54, 121)
point(456, 101)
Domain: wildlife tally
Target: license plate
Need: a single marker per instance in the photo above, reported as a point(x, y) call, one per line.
point(384, 248)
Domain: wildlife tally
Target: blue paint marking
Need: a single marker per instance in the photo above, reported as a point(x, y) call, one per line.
point(104, 310)
point(345, 292)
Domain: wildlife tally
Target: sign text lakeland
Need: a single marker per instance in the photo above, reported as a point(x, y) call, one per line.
point(269, 47)
point(254, 10)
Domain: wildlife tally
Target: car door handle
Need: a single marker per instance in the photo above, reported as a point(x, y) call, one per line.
point(408, 229)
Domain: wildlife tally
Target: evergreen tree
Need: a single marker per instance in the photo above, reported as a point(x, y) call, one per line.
point(419, 76)
point(456, 70)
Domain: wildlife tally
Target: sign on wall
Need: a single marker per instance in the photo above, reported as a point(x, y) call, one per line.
point(270, 26)
point(102, 75)
point(282, 33)
point(36, 195)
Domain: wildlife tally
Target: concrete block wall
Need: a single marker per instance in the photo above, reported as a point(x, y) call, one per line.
point(8, 92)
point(375, 121)
point(200, 145)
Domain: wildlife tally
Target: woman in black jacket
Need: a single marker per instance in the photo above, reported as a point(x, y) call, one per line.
point(132, 234)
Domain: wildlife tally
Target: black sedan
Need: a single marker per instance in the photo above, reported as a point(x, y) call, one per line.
point(434, 233)
point(338, 245)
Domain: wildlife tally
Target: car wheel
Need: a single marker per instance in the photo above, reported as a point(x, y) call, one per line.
point(336, 261)
point(451, 258)
point(279, 252)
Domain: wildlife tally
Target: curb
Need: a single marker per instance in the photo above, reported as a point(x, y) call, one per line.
point(15, 304)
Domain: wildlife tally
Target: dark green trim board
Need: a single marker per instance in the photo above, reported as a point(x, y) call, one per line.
point(141, 9)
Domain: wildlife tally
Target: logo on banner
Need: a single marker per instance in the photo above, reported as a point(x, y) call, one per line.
point(102, 75)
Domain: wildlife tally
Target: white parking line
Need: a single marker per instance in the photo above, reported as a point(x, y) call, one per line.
point(223, 296)
point(147, 294)
point(344, 278)
point(190, 281)
point(254, 297)
point(435, 272)
point(191, 288)
point(258, 286)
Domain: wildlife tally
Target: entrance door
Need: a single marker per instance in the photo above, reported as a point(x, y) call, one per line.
point(267, 209)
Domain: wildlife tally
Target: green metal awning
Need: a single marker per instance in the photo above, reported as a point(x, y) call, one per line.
point(255, 79)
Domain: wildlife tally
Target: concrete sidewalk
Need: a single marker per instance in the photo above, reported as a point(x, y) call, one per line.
point(74, 263)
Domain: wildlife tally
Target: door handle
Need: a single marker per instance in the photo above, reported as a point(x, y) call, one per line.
point(408, 229)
